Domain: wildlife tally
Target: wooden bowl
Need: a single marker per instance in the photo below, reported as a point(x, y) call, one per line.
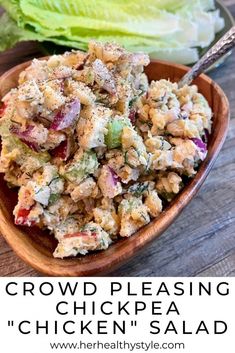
point(36, 247)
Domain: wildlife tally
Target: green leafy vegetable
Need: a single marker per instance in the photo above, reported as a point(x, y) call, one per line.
point(165, 29)
point(139, 188)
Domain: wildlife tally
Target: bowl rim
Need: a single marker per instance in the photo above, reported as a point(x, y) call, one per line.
point(148, 233)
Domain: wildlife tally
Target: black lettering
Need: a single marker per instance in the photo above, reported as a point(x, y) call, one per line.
point(146, 287)
point(178, 288)
point(129, 290)
point(163, 289)
point(206, 290)
point(68, 288)
point(115, 287)
point(40, 327)
point(154, 325)
point(120, 329)
point(65, 329)
point(122, 308)
point(185, 332)
point(222, 330)
point(190, 288)
point(76, 308)
point(102, 308)
point(172, 309)
point(156, 310)
point(7, 288)
point(202, 328)
point(226, 291)
point(43, 291)
point(28, 287)
point(89, 291)
point(170, 328)
point(21, 329)
point(58, 308)
point(84, 327)
point(139, 306)
point(102, 325)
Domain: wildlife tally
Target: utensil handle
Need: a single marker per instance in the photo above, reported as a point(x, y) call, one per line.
point(225, 44)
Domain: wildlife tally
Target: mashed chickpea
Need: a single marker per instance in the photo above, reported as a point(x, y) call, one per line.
point(96, 151)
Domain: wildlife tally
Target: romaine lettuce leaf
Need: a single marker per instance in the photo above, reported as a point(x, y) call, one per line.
point(128, 17)
point(165, 29)
point(11, 33)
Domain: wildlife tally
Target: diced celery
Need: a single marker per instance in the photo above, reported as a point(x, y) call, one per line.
point(81, 168)
point(53, 198)
point(114, 134)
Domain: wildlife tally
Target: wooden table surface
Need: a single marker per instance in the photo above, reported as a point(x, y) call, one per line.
point(202, 240)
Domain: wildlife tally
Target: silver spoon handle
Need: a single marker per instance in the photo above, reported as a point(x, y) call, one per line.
point(226, 43)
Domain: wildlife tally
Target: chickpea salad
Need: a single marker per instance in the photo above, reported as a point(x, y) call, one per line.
point(95, 150)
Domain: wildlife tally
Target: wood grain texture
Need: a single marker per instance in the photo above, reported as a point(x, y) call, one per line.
point(202, 240)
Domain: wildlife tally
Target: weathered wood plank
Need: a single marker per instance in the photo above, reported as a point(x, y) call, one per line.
point(225, 267)
point(202, 240)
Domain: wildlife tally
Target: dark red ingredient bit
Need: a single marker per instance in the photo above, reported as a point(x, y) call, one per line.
point(23, 212)
point(22, 217)
point(67, 116)
point(25, 136)
point(34, 146)
point(62, 151)
point(16, 129)
point(80, 67)
point(2, 109)
point(132, 116)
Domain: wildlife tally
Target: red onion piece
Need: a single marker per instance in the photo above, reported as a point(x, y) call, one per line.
point(200, 144)
point(66, 116)
point(2, 109)
point(103, 77)
point(132, 116)
point(25, 136)
point(32, 145)
point(15, 129)
point(108, 182)
point(62, 151)
point(114, 177)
